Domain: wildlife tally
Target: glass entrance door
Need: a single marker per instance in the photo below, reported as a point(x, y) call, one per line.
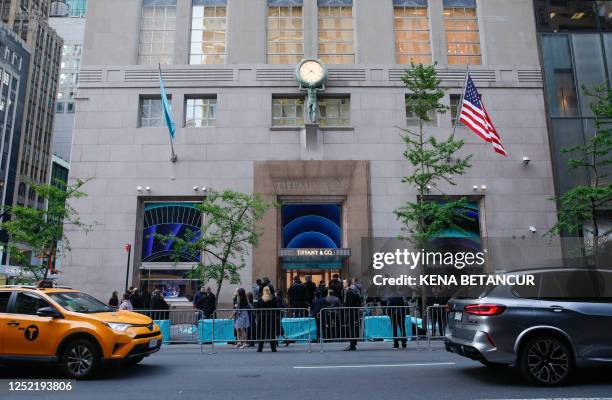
point(317, 275)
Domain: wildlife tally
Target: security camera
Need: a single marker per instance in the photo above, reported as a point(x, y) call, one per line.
point(204, 188)
point(195, 188)
point(483, 187)
point(526, 160)
point(139, 188)
point(533, 229)
point(475, 187)
point(148, 188)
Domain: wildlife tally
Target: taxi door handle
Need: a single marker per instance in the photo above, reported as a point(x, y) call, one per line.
point(13, 323)
point(557, 308)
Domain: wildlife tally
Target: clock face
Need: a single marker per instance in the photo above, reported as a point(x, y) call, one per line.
point(312, 72)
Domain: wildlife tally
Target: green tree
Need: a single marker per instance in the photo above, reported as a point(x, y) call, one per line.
point(39, 231)
point(434, 161)
point(228, 233)
point(578, 208)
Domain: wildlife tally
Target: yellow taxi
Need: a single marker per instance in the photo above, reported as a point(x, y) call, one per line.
point(71, 328)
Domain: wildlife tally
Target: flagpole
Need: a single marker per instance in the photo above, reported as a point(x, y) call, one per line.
point(467, 74)
point(173, 157)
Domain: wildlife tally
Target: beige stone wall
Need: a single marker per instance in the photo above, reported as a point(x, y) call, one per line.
point(322, 181)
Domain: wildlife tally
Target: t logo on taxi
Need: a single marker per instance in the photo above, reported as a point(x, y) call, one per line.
point(31, 332)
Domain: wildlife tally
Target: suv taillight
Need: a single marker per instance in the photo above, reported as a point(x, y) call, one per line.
point(484, 309)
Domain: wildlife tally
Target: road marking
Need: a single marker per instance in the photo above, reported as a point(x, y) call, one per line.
point(373, 365)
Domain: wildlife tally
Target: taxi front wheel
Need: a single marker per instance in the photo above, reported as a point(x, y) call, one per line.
point(80, 359)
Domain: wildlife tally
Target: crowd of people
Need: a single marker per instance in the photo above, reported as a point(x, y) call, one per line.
point(303, 299)
point(135, 300)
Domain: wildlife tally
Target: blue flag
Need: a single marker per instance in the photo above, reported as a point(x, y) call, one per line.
point(166, 106)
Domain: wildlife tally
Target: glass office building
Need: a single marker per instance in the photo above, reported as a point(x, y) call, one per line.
point(576, 51)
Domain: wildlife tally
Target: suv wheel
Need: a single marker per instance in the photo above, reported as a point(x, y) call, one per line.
point(547, 361)
point(80, 359)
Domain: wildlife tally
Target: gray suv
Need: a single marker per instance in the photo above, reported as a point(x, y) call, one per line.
point(546, 330)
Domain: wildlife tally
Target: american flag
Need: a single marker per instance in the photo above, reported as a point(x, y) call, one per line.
point(474, 115)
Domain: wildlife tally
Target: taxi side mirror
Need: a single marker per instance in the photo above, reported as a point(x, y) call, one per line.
point(49, 312)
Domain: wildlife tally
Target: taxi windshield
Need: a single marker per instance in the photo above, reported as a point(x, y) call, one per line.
point(79, 302)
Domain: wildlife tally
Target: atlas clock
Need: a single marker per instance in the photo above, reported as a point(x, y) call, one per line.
point(311, 74)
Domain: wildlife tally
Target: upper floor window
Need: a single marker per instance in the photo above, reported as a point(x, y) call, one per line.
point(454, 107)
point(411, 27)
point(412, 118)
point(157, 29)
point(151, 112)
point(285, 31)
point(208, 29)
point(287, 111)
point(461, 26)
point(336, 32)
point(200, 111)
point(335, 111)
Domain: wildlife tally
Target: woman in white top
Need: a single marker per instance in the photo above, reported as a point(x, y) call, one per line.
point(125, 303)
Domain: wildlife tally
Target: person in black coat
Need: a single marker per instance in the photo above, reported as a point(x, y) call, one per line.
point(137, 300)
point(336, 285)
point(267, 320)
point(351, 315)
point(318, 304)
point(397, 313)
point(311, 288)
point(298, 294)
point(159, 304)
point(207, 303)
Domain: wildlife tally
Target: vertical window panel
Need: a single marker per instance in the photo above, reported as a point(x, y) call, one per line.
point(411, 29)
point(285, 35)
point(208, 31)
point(157, 28)
point(462, 36)
point(336, 35)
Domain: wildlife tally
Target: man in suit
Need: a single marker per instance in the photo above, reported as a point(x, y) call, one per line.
point(351, 315)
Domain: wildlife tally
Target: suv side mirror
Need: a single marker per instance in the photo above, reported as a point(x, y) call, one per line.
point(49, 312)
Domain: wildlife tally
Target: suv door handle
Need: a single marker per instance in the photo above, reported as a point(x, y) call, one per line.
point(556, 308)
point(13, 323)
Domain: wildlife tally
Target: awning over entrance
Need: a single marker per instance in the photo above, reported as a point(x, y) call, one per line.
point(313, 258)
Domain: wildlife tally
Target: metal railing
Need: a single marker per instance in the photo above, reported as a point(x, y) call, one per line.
point(177, 325)
point(256, 326)
point(437, 320)
point(370, 323)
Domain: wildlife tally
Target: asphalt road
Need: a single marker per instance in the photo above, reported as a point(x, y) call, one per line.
point(373, 372)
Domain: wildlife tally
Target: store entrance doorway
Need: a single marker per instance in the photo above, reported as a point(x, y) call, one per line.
point(317, 274)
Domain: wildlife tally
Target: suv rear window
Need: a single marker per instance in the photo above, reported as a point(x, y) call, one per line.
point(579, 285)
point(4, 299)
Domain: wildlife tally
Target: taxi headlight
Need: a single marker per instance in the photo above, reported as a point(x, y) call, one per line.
point(118, 327)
